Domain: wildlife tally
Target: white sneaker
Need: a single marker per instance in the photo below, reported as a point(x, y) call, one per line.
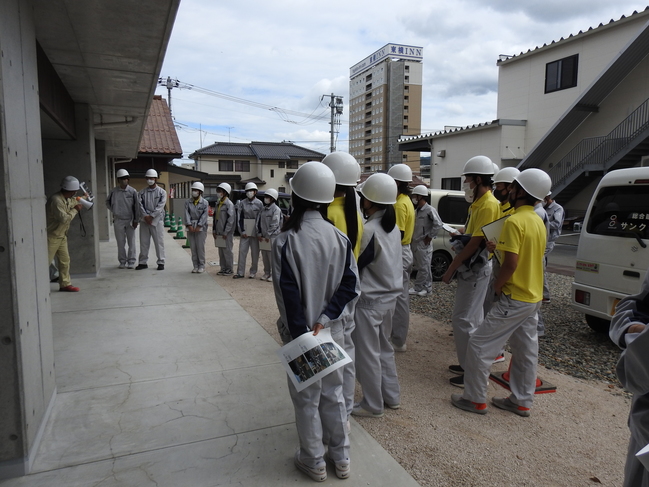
point(122, 266)
point(269, 278)
point(423, 292)
point(194, 270)
point(402, 348)
point(412, 291)
point(364, 413)
point(319, 474)
point(264, 277)
point(201, 270)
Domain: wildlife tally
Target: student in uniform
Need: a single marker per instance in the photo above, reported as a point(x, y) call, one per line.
point(556, 215)
point(196, 213)
point(248, 209)
point(629, 331)
point(405, 214)
point(316, 284)
point(343, 213)
point(518, 294)
point(268, 225)
point(427, 224)
point(472, 262)
point(123, 204)
point(223, 228)
point(381, 284)
point(152, 200)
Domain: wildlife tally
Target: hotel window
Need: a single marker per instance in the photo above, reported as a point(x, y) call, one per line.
point(226, 165)
point(561, 74)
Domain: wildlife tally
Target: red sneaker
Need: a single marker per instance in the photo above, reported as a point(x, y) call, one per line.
point(70, 289)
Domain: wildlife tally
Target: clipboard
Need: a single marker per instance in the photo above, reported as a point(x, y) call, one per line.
point(492, 233)
point(249, 226)
point(263, 245)
point(220, 242)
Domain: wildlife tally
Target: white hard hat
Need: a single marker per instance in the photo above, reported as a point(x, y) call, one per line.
point(535, 181)
point(380, 188)
point(479, 165)
point(122, 173)
point(199, 186)
point(401, 172)
point(151, 173)
point(251, 186)
point(421, 190)
point(506, 175)
point(496, 168)
point(272, 193)
point(70, 183)
point(314, 182)
point(344, 166)
point(225, 187)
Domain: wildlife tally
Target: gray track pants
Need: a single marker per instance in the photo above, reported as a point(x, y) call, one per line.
point(125, 234)
point(244, 244)
point(153, 232)
point(401, 317)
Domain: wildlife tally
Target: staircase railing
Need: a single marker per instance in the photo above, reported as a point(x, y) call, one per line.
point(594, 152)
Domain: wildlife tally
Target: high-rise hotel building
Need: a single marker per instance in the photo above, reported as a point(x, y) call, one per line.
point(385, 103)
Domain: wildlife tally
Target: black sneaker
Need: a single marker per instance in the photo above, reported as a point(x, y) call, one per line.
point(457, 381)
point(141, 266)
point(456, 369)
point(161, 267)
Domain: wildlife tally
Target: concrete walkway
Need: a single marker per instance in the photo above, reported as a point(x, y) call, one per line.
point(164, 380)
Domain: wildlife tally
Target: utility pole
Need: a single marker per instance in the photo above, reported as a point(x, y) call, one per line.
point(336, 105)
point(169, 83)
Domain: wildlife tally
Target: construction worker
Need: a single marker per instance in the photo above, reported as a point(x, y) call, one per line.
point(268, 225)
point(123, 204)
point(503, 180)
point(343, 213)
point(381, 284)
point(247, 211)
point(223, 228)
point(316, 286)
point(60, 210)
point(405, 213)
point(629, 331)
point(556, 215)
point(196, 213)
point(518, 294)
point(152, 200)
point(471, 263)
point(427, 224)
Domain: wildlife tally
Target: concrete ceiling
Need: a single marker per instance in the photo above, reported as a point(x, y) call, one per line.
point(109, 55)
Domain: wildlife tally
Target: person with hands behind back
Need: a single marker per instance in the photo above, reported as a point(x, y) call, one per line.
point(316, 285)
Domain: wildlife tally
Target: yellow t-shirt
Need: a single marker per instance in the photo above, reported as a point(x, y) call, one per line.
point(483, 211)
point(405, 213)
point(524, 235)
point(336, 213)
point(506, 209)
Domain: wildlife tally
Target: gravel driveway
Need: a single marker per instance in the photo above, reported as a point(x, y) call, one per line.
point(575, 437)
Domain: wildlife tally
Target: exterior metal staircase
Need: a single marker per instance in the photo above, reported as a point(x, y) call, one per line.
point(623, 147)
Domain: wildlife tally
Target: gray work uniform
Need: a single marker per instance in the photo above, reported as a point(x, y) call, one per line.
point(152, 203)
point(224, 226)
point(123, 204)
point(315, 279)
point(633, 372)
point(555, 221)
point(269, 224)
point(381, 284)
point(248, 210)
point(427, 224)
point(196, 216)
point(539, 210)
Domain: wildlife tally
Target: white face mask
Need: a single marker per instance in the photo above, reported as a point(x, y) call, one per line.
point(219, 196)
point(196, 194)
point(150, 182)
point(250, 194)
point(414, 201)
point(468, 192)
point(268, 201)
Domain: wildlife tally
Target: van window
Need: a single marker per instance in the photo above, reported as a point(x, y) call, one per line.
point(453, 209)
point(621, 211)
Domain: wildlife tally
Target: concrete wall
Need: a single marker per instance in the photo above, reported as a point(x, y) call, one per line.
point(26, 350)
point(77, 158)
point(101, 190)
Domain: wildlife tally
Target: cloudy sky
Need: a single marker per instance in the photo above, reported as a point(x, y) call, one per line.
point(278, 58)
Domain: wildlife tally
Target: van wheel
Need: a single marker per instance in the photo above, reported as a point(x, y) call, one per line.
point(600, 325)
point(439, 264)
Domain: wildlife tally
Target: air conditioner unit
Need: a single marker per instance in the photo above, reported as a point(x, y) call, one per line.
point(441, 153)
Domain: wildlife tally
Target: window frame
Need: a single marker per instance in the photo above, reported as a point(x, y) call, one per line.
point(561, 78)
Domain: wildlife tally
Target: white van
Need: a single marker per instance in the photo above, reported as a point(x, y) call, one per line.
point(613, 256)
point(452, 209)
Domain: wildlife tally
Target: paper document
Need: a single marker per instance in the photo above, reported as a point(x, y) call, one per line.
point(249, 226)
point(643, 456)
point(449, 228)
point(220, 242)
point(309, 358)
point(492, 233)
point(263, 245)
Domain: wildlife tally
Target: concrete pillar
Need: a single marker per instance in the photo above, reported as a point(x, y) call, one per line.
point(26, 350)
point(77, 158)
point(104, 178)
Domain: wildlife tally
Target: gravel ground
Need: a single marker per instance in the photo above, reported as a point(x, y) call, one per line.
point(575, 437)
